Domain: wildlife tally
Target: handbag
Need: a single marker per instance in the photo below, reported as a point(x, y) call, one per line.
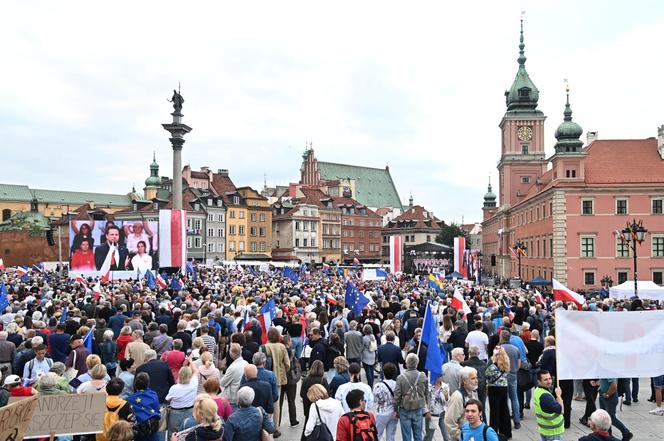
point(72, 372)
point(321, 432)
point(295, 371)
point(524, 380)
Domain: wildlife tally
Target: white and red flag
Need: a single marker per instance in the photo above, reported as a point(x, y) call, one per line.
point(396, 254)
point(265, 316)
point(97, 290)
point(459, 303)
point(161, 283)
point(539, 298)
point(564, 294)
point(172, 239)
point(459, 262)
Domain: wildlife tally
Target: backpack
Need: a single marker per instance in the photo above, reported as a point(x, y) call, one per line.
point(361, 426)
point(269, 362)
point(110, 416)
point(31, 365)
point(413, 393)
point(501, 437)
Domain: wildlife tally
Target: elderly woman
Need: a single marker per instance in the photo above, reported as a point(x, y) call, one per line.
point(48, 384)
point(208, 424)
point(246, 423)
point(108, 351)
point(496, 379)
point(369, 349)
point(123, 340)
point(206, 371)
point(97, 382)
point(181, 396)
point(342, 376)
point(316, 376)
point(325, 410)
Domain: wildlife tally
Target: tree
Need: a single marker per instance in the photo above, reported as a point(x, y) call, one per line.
point(449, 232)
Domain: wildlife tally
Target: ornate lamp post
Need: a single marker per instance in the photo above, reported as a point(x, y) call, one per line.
point(634, 234)
point(520, 249)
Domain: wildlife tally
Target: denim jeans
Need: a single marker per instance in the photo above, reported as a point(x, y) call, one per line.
point(176, 418)
point(387, 424)
point(610, 404)
point(430, 428)
point(552, 437)
point(369, 371)
point(296, 343)
point(411, 424)
point(513, 393)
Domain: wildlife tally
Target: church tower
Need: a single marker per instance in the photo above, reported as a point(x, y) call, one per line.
point(153, 182)
point(522, 158)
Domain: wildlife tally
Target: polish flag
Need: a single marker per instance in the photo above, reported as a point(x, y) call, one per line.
point(21, 271)
point(267, 313)
point(82, 281)
point(396, 254)
point(161, 283)
point(539, 298)
point(97, 290)
point(330, 299)
point(2, 265)
point(564, 294)
point(172, 239)
point(459, 303)
point(105, 269)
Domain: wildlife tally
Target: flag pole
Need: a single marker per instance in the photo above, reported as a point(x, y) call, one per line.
point(555, 323)
point(423, 326)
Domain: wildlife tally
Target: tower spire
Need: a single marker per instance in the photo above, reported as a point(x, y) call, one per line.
point(522, 56)
point(568, 109)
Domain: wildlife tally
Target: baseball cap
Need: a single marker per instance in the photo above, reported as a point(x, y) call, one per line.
point(12, 380)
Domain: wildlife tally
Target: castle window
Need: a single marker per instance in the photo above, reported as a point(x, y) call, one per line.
point(524, 149)
point(525, 179)
point(524, 93)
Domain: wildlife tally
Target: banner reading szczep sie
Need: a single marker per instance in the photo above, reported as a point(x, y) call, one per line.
point(609, 344)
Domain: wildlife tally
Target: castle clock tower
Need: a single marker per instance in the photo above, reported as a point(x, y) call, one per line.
point(522, 158)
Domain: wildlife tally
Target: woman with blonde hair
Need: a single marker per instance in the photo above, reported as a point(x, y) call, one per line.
point(181, 395)
point(206, 371)
point(207, 424)
point(97, 383)
point(120, 431)
point(196, 346)
point(496, 380)
point(324, 410)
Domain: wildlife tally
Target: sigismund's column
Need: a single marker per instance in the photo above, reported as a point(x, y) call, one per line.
point(177, 131)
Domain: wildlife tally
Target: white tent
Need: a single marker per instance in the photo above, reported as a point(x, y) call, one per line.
point(647, 290)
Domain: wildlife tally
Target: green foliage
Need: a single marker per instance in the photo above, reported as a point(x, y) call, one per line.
point(449, 232)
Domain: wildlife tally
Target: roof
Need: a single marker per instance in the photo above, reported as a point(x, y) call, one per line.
point(605, 163)
point(415, 217)
point(223, 185)
point(374, 187)
point(10, 192)
point(383, 211)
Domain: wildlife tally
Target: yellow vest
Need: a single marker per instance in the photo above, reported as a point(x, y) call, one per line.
point(547, 423)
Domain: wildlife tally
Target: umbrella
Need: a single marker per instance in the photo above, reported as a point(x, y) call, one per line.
point(539, 281)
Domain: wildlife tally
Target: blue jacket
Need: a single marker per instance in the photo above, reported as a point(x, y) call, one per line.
point(245, 424)
point(269, 377)
point(263, 394)
point(520, 345)
point(116, 323)
point(390, 353)
point(59, 346)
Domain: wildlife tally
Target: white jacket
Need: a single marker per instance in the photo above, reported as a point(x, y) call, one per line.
point(330, 412)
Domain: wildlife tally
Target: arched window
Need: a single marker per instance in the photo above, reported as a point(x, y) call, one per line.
point(6, 214)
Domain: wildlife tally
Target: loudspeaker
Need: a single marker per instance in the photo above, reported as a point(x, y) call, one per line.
point(493, 260)
point(49, 237)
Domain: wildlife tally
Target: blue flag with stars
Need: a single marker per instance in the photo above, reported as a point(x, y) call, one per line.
point(355, 299)
point(4, 299)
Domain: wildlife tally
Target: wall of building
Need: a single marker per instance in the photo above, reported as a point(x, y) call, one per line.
point(22, 248)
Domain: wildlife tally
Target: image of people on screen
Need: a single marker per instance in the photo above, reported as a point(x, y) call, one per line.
point(141, 261)
point(83, 258)
point(82, 231)
point(112, 244)
point(139, 231)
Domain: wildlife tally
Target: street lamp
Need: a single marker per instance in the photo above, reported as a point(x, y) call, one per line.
point(520, 249)
point(634, 234)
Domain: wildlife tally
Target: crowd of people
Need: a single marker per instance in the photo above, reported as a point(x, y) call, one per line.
point(199, 362)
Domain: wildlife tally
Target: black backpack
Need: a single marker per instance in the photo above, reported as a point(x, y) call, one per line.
point(269, 362)
point(321, 432)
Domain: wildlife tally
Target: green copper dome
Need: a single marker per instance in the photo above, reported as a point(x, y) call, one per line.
point(153, 180)
point(568, 133)
point(489, 197)
point(523, 95)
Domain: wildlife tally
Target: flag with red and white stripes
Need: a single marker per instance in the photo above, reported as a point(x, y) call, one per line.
point(396, 254)
point(459, 261)
point(561, 293)
point(172, 239)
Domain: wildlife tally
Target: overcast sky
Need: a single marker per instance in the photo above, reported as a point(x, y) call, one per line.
point(416, 85)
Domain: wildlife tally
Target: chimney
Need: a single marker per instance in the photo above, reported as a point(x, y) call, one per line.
point(205, 169)
point(660, 141)
point(223, 172)
point(591, 136)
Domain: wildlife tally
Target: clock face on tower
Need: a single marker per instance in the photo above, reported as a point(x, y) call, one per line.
point(525, 133)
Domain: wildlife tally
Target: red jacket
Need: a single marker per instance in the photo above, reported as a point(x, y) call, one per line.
point(344, 431)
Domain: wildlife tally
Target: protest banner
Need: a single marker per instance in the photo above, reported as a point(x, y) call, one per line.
point(65, 414)
point(593, 345)
point(15, 419)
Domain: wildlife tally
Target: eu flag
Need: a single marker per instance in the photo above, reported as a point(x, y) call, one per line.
point(434, 361)
point(288, 272)
point(355, 299)
point(150, 278)
point(4, 299)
